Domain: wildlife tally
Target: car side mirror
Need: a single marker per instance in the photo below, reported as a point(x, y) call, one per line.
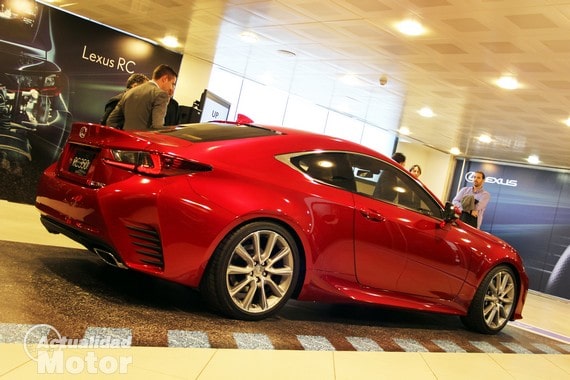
point(449, 213)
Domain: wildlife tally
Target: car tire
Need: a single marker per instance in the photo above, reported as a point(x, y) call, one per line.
point(253, 272)
point(494, 302)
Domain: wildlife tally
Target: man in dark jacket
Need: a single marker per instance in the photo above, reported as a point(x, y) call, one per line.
point(144, 107)
point(133, 81)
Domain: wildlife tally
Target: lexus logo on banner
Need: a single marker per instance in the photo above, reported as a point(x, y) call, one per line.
point(498, 181)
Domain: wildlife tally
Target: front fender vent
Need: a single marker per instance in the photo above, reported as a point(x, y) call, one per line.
point(147, 245)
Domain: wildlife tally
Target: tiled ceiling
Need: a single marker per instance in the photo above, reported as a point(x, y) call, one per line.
point(451, 69)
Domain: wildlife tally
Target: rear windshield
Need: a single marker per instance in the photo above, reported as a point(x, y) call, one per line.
point(203, 132)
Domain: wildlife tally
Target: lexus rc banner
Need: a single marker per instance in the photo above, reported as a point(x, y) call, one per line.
point(56, 68)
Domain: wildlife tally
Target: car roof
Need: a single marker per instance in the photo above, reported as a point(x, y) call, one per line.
point(252, 134)
point(217, 131)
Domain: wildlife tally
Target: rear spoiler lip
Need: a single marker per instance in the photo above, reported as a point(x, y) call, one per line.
point(93, 134)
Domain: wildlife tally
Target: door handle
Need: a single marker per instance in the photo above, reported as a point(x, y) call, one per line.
point(372, 215)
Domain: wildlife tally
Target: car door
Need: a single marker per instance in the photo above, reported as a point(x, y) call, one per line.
point(331, 205)
point(402, 246)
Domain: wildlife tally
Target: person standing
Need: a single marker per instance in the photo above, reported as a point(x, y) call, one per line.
point(133, 81)
point(144, 107)
point(407, 196)
point(416, 171)
point(399, 158)
point(472, 201)
point(386, 187)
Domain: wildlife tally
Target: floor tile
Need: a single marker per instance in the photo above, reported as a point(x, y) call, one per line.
point(533, 367)
point(269, 364)
point(381, 365)
point(463, 366)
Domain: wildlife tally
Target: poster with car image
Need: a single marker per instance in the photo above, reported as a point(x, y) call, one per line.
point(57, 68)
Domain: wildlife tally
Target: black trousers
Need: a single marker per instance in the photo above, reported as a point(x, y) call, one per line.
point(469, 219)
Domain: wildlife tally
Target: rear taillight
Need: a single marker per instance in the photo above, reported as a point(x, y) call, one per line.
point(152, 163)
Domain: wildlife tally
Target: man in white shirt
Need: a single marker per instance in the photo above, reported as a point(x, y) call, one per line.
point(481, 199)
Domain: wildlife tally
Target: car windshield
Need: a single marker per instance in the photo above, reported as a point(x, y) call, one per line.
point(204, 132)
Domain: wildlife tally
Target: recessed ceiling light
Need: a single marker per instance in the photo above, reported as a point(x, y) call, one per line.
point(567, 122)
point(455, 151)
point(405, 131)
point(351, 80)
point(486, 139)
point(533, 159)
point(508, 82)
point(426, 112)
point(170, 41)
point(410, 28)
point(249, 37)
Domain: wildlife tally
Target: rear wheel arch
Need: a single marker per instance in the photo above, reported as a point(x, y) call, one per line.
point(294, 233)
point(212, 282)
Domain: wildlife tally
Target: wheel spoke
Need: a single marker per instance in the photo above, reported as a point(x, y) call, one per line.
point(493, 286)
point(262, 296)
point(274, 287)
point(237, 288)
point(285, 271)
point(256, 247)
point(247, 301)
point(507, 289)
point(504, 294)
point(285, 252)
point(501, 312)
point(233, 270)
point(491, 315)
point(506, 301)
point(503, 281)
point(488, 311)
point(269, 246)
point(244, 254)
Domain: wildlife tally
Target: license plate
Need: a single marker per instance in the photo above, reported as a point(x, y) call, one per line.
point(81, 162)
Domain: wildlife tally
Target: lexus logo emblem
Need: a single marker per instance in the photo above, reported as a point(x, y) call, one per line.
point(83, 132)
point(496, 180)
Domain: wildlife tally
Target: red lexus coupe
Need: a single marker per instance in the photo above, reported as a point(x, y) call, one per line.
point(254, 215)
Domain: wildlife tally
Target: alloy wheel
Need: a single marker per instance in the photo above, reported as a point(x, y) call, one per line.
point(260, 271)
point(499, 299)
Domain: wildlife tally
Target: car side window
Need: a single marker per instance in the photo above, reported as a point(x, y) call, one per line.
point(330, 167)
point(387, 183)
point(367, 176)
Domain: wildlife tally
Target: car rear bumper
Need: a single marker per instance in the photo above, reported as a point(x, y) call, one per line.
point(100, 220)
point(99, 247)
point(154, 225)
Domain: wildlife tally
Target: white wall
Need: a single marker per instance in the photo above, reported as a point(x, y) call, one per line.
point(193, 78)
